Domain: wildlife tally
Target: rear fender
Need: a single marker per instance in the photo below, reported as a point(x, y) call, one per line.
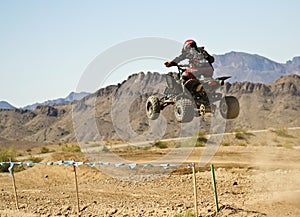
point(222, 79)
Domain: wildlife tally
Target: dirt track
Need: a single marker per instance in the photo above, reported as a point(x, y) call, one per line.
point(266, 183)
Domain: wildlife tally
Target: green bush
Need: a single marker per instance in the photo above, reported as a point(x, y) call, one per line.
point(178, 145)
point(202, 136)
point(160, 144)
point(225, 143)
point(285, 145)
point(187, 214)
point(28, 150)
point(71, 148)
point(281, 131)
point(200, 144)
point(105, 149)
point(44, 150)
point(34, 159)
point(242, 134)
point(7, 155)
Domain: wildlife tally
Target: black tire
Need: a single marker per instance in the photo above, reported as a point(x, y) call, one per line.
point(152, 107)
point(184, 110)
point(229, 107)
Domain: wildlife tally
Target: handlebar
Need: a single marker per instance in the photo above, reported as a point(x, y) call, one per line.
point(181, 68)
point(185, 65)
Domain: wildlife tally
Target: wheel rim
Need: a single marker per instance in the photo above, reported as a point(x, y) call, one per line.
point(223, 108)
point(149, 108)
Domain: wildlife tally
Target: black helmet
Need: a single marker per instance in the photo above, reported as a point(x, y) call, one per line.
point(189, 44)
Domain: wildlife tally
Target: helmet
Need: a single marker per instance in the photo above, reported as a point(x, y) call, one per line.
point(189, 44)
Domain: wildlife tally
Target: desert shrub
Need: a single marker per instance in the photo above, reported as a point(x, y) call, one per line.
point(200, 144)
point(225, 143)
point(34, 159)
point(146, 148)
point(44, 150)
point(285, 145)
point(28, 150)
point(160, 144)
point(105, 149)
point(201, 138)
point(187, 214)
point(281, 131)
point(243, 144)
point(178, 145)
point(71, 148)
point(7, 155)
point(242, 134)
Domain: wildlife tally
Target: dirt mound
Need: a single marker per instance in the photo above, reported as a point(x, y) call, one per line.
point(264, 185)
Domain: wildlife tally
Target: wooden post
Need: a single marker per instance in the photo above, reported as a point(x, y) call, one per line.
point(195, 191)
point(214, 186)
point(76, 185)
point(15, 188)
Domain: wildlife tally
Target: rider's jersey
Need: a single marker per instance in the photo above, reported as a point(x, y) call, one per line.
point(199, 60)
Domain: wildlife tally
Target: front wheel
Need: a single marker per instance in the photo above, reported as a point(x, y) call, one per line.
point(229, 107)
point(152, 107)
point(184, 110)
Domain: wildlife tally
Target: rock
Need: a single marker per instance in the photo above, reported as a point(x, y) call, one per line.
point(112, 211)
point(22, 206)
point(179, 205)
point(66, 208)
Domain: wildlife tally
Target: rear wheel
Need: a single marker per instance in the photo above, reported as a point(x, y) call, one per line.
point(229, 107)
point(152, 107)
point(184, 110)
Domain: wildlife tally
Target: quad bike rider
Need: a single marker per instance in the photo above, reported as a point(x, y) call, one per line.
point(199, 60)
point(201, 93)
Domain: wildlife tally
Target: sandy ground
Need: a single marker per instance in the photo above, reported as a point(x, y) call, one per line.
point(251, 181)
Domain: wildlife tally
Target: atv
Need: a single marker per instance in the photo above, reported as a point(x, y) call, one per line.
point(194, 97)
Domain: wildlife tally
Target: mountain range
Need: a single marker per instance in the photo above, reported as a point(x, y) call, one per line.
point(6, 105)
point(118, 112)
point(253, 68)
point(241, 66)
point(60, 101)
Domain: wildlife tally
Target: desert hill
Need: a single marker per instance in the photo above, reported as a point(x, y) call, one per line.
point(275, 104)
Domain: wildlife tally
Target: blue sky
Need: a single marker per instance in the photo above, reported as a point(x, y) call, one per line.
point(46, 45)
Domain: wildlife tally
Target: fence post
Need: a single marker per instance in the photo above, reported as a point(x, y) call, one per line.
point(195, 191)
point(11, 170)
point(76, 185)
point(214, 186)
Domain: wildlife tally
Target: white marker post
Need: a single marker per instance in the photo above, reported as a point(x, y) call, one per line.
point(195, 191)
point(14, 186)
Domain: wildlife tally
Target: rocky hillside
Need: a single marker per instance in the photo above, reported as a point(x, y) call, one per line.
point(253, 68)
point(276, 104)
point(118, 111)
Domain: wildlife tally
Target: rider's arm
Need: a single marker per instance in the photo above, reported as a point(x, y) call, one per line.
point(178, 59)
point(206, 55)
point(175, 61)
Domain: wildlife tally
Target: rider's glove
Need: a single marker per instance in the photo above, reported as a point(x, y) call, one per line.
point(169, 64)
